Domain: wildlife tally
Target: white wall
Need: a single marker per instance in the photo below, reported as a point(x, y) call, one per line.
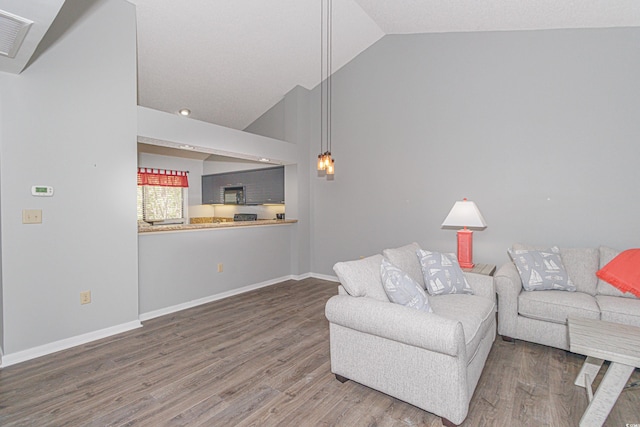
point(171, 130)
point(539, 128)
point(69, 121)
point(231, 165)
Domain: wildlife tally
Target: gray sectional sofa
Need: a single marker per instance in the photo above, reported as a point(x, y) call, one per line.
point(430, 360)
point(540, 316)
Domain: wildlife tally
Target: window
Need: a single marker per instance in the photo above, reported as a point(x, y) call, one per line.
point(161, 194)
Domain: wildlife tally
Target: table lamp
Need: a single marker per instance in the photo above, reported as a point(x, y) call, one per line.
point(465, 214)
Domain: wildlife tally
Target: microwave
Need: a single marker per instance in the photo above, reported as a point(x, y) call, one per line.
point(234, 195)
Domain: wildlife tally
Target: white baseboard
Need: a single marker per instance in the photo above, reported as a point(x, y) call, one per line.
point(43, 350)
point(211, 298)
point(324, 277)
point(178, 307)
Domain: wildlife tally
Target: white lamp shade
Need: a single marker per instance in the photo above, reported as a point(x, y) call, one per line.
point(464, 213)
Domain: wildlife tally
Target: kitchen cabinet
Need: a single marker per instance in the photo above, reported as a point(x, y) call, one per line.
point(262, 186)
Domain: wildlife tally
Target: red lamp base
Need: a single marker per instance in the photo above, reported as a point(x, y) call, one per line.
point(465, 248)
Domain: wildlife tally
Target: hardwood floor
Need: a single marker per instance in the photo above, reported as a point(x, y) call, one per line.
point(262, 359)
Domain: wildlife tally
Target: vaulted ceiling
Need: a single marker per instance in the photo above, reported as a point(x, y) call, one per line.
point(229, 61)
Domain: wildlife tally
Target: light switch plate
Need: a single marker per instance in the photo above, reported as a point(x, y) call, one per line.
point(32, 216)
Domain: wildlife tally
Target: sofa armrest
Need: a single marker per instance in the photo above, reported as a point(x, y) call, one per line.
point(508, 286)
point(395, 322)
point(482, 285)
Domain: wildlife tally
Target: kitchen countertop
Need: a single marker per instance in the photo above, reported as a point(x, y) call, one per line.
point(180, 227)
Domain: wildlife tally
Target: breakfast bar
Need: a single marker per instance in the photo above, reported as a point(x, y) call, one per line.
point(213, 225)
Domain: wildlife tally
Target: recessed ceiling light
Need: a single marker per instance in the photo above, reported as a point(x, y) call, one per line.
point(187, 147)
point(263, 159)
point(184, 112)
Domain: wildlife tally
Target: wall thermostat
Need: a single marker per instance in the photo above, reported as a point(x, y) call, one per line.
point(42, 191)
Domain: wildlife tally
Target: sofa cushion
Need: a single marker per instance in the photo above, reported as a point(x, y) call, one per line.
point(402, 289)
point(541, 269)
point(556, 306)
point(623, 272)
point(442, 273)
point(406, 259)
point(619, 310)
point(474, 312)
point(361, 278)
point(580, 263)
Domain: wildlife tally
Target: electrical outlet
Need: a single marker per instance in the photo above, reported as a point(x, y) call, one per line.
point(85, 297)
point(220, 268)
point(32, 216)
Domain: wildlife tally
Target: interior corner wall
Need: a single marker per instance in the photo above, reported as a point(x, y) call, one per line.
point(539, 128)
point(290, 120)
point(69, 121)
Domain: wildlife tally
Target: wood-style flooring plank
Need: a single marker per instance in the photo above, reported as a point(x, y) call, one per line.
point(262, 359)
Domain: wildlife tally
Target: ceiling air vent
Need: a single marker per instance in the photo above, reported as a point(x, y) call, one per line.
point(13, 30)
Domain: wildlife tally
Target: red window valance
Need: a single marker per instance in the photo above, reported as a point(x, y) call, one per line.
point(162, 177)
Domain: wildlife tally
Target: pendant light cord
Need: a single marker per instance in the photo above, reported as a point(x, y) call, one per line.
point(322, 83)
point(329, 69)
point(326, 64)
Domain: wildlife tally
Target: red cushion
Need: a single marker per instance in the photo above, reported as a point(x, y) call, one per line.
point(623, 271)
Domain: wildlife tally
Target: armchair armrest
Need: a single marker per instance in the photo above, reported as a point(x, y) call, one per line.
point(482, 285)
point(395, 322)
point(508, 287)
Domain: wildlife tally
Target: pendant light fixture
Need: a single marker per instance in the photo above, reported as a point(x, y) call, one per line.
point(325, 163)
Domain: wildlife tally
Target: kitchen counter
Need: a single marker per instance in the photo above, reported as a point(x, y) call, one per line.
point(181, 227)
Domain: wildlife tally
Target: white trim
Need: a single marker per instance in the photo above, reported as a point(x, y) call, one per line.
point(324, 277)
point(43, 350)
point(211, 298)
point(178, 307)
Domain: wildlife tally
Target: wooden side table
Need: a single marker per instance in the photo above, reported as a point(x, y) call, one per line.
point(486, 269)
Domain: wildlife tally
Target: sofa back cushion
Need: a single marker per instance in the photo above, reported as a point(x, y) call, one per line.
point(361, 278)
point(604, 288)
point(406, 259)
point(581, 265)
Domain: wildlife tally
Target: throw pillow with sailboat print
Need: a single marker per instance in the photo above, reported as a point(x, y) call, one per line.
point(402, 289)
point(541, 269)
point(442, 273)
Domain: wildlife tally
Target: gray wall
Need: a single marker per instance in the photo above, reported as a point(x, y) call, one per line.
point(69, 121)
point(539, 128)
point(180, 267)
point(291, 120)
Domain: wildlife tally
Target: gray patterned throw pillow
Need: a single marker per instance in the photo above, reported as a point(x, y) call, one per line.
point(542, 270)
point(402, 289)
point(442, 273)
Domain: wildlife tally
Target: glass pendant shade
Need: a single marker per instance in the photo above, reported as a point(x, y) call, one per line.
point(331, 169)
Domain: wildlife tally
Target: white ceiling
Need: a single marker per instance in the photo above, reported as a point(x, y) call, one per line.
point(42, 13)
point(229, 61)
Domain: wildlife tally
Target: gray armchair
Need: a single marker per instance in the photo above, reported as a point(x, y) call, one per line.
point(430, 360)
